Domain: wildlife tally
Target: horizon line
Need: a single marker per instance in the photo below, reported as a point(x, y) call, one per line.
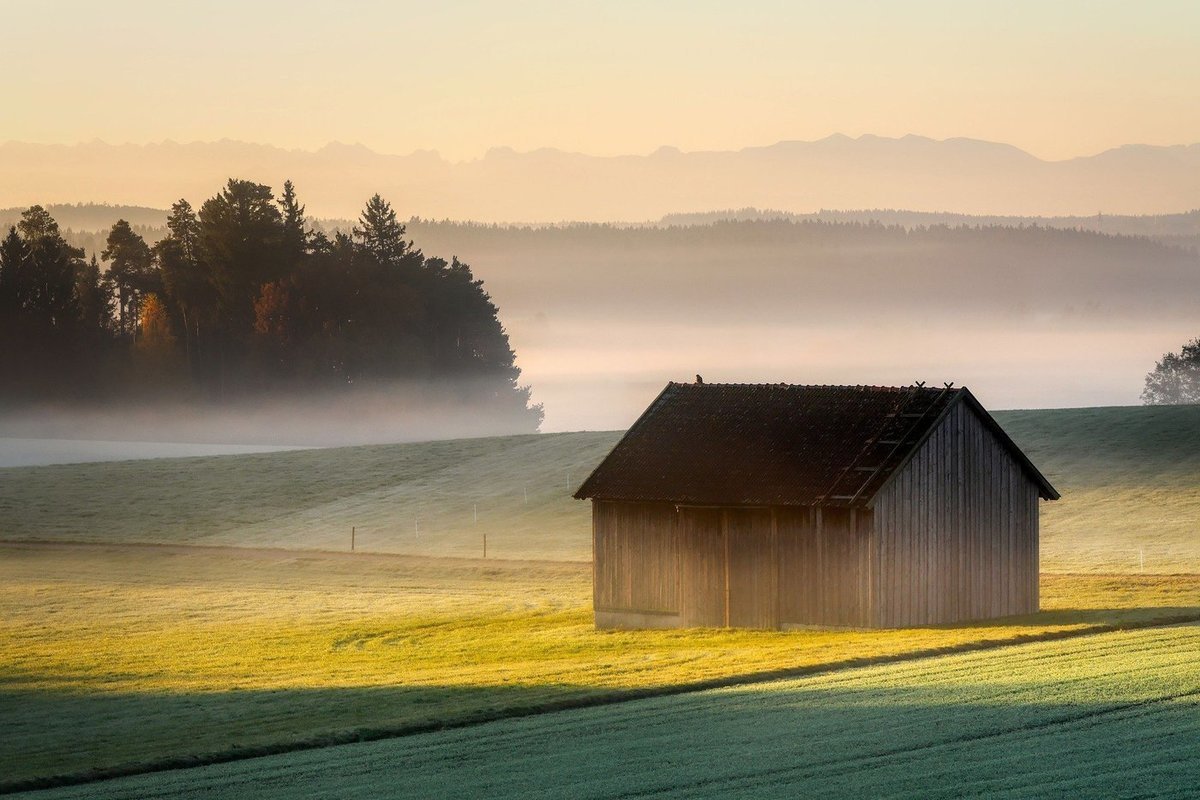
point(663, 150)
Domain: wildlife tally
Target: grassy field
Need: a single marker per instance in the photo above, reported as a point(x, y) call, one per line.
point(242, 631)
point(1130, 479)
point(114, 655)
point(1111, 715)
point(434, 498)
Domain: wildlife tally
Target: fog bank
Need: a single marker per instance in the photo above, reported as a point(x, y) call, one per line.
point(394, 413)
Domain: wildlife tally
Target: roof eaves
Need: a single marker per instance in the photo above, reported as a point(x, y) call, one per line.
point(584, 491)
point(1048, 492)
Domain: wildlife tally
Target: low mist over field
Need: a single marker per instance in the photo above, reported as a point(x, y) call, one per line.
point(1029, 312)
point(1030, 317)
point(395, 412)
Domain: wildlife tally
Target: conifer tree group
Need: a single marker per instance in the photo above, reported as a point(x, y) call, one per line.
point(243, 297)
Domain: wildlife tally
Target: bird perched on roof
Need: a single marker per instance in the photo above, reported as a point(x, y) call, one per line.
point(699, 379)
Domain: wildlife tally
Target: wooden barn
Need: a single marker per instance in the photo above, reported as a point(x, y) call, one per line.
point(777, 506)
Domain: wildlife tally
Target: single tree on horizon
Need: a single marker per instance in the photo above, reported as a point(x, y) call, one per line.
point(1175, 379)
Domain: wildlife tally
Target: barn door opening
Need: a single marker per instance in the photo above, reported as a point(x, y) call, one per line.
point(752, 568)
point(728, 573)
point(701, 567)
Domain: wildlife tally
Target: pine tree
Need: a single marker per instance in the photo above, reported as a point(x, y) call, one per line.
point(50, 271)
point(380, 234)
point(241, 233)
point(185, 229)
point(295, 237)
point(132, 270)
point(94, 290)
point(15, 291)
point(186, 284)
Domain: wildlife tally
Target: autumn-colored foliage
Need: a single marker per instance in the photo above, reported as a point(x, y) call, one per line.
point(241, 296)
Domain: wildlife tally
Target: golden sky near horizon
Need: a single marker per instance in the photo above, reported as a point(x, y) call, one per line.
point(1057, 79)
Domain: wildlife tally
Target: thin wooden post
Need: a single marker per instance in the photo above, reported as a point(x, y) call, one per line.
point(351, 538)
point(725, 536)
point(778, 569)
point(858, 577)
point(485, 545)
point(821, 572)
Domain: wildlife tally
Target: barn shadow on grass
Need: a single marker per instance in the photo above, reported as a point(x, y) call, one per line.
point(934, 726)
point(1090, 617)
point(63, 735)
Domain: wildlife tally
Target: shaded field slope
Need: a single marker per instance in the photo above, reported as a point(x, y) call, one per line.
point(1130, 478)
point(1115, 714)
point(120, 658)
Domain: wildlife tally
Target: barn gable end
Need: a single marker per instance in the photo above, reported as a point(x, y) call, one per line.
point(955, 529)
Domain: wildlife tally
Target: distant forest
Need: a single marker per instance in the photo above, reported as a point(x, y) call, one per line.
point(241, 297)
point(86, 225)
point(600, 311)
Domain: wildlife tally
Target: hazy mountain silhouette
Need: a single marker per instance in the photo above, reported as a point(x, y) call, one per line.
point(912, 172)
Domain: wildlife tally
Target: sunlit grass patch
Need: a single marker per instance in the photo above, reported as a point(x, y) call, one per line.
point(133, 654)
point(1112, 714)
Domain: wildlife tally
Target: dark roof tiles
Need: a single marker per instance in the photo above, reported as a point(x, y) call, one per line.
point(771, 444)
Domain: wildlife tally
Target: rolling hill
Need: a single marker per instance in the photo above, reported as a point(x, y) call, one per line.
point(272, 638)
point(1130, 479)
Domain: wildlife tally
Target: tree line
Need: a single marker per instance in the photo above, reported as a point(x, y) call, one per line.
point(243, 297)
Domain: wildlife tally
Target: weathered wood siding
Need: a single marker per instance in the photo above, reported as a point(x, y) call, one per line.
point(658, 566)
point(753, 576)
point(635, 558)
point(952, 537)
point(824, 566)
point(955, 531)
point(702, 576)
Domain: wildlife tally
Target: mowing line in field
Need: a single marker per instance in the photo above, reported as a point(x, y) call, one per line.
point(1121, 723)
point(598, 700)
point(841, 765)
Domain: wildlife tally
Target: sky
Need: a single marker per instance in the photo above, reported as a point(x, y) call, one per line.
point(1058, 79)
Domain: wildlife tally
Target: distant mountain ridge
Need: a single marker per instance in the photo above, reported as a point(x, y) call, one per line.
point(966, 176)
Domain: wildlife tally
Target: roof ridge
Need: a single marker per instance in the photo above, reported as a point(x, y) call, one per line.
point(903, 388)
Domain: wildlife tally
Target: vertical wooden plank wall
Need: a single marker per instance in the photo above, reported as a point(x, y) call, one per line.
point(956, 533)
point(752, 568)
point(702, 572)
point(824, 566)
point(635, 559)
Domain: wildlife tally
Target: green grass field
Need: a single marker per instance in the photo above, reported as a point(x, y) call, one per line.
point(1114, 714)
point(117, 656)
point(434, 498)
point(112, 656)
point(1130, 479)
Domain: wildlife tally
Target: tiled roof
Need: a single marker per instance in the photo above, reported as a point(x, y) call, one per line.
point(773, 444)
